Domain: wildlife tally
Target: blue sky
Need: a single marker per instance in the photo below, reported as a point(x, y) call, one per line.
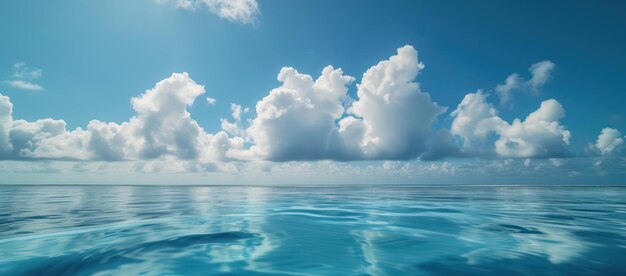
point(93, 57)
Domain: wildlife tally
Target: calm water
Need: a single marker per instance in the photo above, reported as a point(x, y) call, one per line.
point(132, 230)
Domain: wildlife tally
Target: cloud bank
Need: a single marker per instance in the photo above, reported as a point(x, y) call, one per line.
point(305, 119)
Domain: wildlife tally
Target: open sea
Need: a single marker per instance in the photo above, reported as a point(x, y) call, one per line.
point(364, 230)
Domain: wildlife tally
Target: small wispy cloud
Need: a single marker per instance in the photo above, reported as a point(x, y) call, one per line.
point(211, 101)
point(23, 77)
point(244, 11)
point(541, 73)
point(22, 84)
point(21, 71)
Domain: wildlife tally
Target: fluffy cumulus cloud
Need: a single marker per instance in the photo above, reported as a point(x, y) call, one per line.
point(47, 139)
point(306, 119)
point(474, 120)
point(234, 10)
point(162, 128)
point(541, 73)
point(609, 141)
point(392, 113)
point(163, 124)
point(296, 121)
point(540, 134)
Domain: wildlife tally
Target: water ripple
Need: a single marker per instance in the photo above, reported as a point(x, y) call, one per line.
point(93, 230)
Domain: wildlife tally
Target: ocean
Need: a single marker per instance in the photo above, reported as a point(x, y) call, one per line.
point(341, 230)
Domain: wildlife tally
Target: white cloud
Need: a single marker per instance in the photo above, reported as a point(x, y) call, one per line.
point(108, 141)
point(211, 101)
point(162, 128)
point(185, 4)
point(298, 120)
point(393, 115)
point(234, 10)
point(22, 84)
point(23, 77)
point(556, 162)
point(163, 124)
point(473, 120)
point(21, 71)
point(6, 121)
point(609, 141)
point(511, 83)
point(46, 138)
point(236, 111)
point(244, 11)
point(63, 145)
point(541, 74)
point(539, 135)
point(446, 168)
point(527, 162)
point(234, 128)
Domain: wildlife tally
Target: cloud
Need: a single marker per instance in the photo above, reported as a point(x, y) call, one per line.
point(163, 123)
point(539, 135)
point(51, 140)
point(46, 139)
point(23, 77)
point(306, 119)
point(511, 83)
point(244, 11)
point(234, 128)
point(21, 71)
point(211, 101)
point(6, 121)
point(108, 141)
point(392, 114)
point(473, 120)
point(609, 141)
point(182, 4)
point(296, 121)
point(541, 73)
point(234, 10)
point(21, 84)
point(162, 128)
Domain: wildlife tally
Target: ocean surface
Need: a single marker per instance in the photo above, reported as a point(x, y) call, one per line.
point(443, 230)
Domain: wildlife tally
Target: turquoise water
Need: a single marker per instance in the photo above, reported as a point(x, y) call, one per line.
point(130, 230)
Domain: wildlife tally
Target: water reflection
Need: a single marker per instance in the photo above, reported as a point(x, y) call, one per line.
point(357, 230)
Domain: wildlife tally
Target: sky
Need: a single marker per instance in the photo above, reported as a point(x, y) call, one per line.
point(312, 92)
